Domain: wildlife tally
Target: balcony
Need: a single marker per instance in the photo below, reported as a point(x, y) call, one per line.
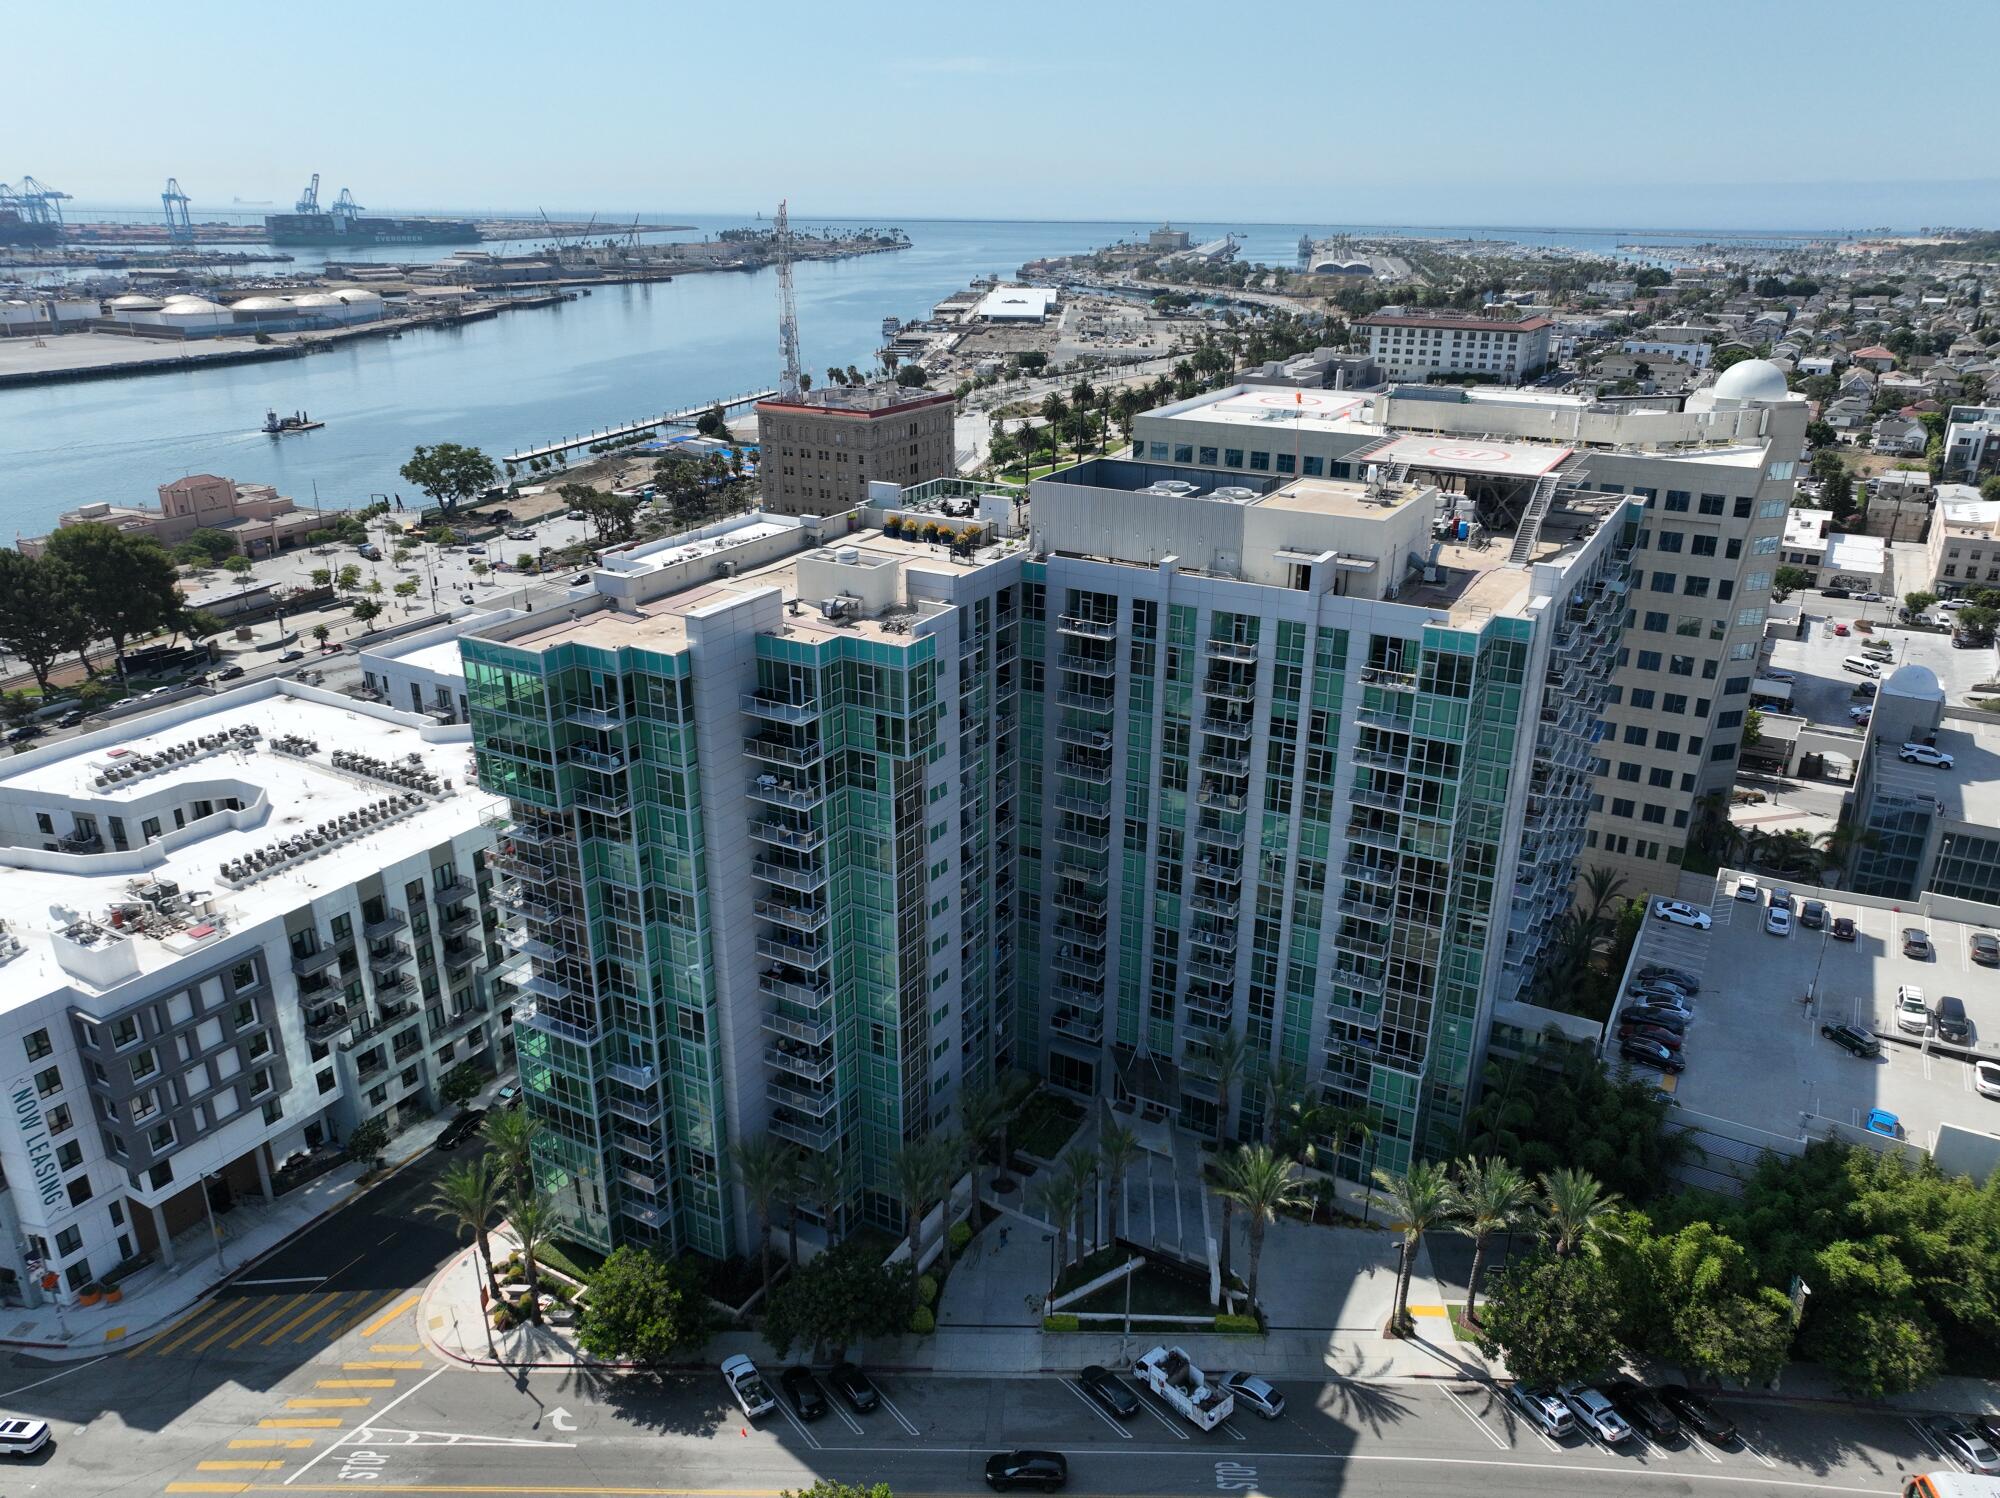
point(395, 988)
point(1088, 842)
point(459, 890)
point(1081, 905)
point(1214, 1005)
point(534, 834)
point(1388, 679)
point(808, 1102)
point(1222, 800)
point(459, 924)
point(777, 790)
point(1231, 691)
point(818, 1137)
point(1241, 729)
point(1209, 905)
point(1083, 874)
point(314, 962)
point(1383, 716)
point(1381, 759)
point(637, 1077)
point(1085, 770)
point(1385, 837)
point(524, 904)
point(536, 873)
point(594, 759)
point(386, 924)
point(536, 1018)
point(778, 709)
point(796, 917)
point(1077, 1026)
point(812, 1065)
point(805, 1032)
point(1087, 629)
point(591, 715)
point(805, 995)
point(645, 1112)
point(460, 957)
point(1381, 800)
point(782, 835)
point(1084, 1000)
point(1233, 765)
point(784, 751)
point(638, 1180)
point(617, 804)
point(327, 1025)
point(1222, 943)
point(387, 957)
point(1210, 968)
point(532, 946)
point(803, 954)
point(804, 878)
point(1097, 808)
point(1079, 965)
point(1084, 664)
point(1220, 873)
point(1101, 704)
point(1219, 837)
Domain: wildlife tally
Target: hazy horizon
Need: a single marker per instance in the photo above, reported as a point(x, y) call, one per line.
point(1730, 116)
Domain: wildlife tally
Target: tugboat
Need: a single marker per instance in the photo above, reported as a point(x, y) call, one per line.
point(278, 426)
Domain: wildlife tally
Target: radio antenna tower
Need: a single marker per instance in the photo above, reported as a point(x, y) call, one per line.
point(788, 311)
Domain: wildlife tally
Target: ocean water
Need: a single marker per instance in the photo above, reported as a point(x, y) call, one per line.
point(620, 354)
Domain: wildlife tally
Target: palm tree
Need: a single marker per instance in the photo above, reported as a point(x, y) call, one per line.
point(1579, 1211)
point(984, 1111)
point(1598, 887)
point(1284, 1092)
point(824, 1181)
point(534, 1222)
point(1223, 1065)
point(1055, 411)
point(1117, 1149)
point(510, 1134)
point(918, 1168)
point(467, 1196)
point(763, 1166)
point(1261, 1182)
point(1081, 1163)
point(1058, 1193)
point(1419, 1199)
point(1493, 1198)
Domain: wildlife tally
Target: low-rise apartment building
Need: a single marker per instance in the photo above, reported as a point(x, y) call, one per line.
point(1423, 345)
point(819, 453)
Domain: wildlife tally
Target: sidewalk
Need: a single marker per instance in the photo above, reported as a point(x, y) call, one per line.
point(249, 1232)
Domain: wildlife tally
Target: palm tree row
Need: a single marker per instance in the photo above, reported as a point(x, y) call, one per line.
point(500, 1181)
point(1480, 1197)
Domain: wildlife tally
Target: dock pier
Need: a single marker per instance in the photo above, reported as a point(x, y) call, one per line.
point(685, 417)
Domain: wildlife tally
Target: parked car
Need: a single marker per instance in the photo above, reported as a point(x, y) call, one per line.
point(1867, 597)
point(1882, 1121)
point(1965, 1446)
point(1812, 914)
point(1680, 977)
point(289, 655)
point(1913, 1014)
point(1047, 1470)
point(521, 535)
point(1666, 1019)
point(1595, 1414)
point(1986, 1078)
point(807, 1397)
point(1109, 1390)
point(856, 1387)
point(1747, 888)
point(1984, 948)
point(1835, 593)
point(1633, 1030)
point(1953, 1023)
point(1697, 1414)
point(1680, 913)
point(23, 1438)
point(1650, 1053)
point(1253, 1391)
point(1842, 928)
point(1917, 943)
point(1861, 714)
point(507, 1097)
point(1840, 629)
point(1852, 1038)
point(1643, 1410)
point(1924, 754)
point(24, 733)
point(461, 1129)
point(229, 673)
point(746, 1385)
point(1781, 899)
point(1778, 921)
point(72, 719)
point(1544, 1411)
point(1660, 998)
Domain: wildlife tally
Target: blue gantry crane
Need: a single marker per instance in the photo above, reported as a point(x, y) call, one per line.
point(179, 225)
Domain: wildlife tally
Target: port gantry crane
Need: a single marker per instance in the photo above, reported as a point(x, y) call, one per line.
point(179, 225)
point(790, 387)
point(309, 199)
point(36, 202)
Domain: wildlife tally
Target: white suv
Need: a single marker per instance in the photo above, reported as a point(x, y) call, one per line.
point(1912, 1013)
point(1924, 754)
point(1594, 1412)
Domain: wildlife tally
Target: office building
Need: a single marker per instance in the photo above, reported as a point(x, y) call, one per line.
point(1930, 830)
point(819, 453)
point(1971, 443)
point(1716, 470)
point(233, 929)
point(1425, 345)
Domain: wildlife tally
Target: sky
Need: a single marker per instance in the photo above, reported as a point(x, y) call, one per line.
point(1728, 114)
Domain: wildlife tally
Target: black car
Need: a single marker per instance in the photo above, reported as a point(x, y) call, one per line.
point(292, 655)
point(1697, 1414)
point(1985, 947)
point(1842, 928)
point(229, 673)
point(1647, 1014)
point(855, 1387)
point(1104, 1386)
point(25, 732)
point(1647, 1053)
point(1047, 1470)
point(1653, 1033)
point(461, 1129)
point(1852, 1038)
point(807, 1397)
point(1644, 1410)
point(1680, 977)
point(1838, 593)
point(75, 716)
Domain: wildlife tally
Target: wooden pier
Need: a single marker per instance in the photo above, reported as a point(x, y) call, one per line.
point(686, 417)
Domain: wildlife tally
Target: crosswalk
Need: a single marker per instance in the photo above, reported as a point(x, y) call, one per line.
point(245, 1325)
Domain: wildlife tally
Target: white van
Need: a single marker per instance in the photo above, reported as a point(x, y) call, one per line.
point(1860, 665)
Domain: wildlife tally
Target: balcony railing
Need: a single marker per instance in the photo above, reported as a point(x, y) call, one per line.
point(1229, 728)
point(781, 835)
point(797, 917)
point(784, 751)
point(805, 995)
point(806, 1032)
point(314, 962)
point(327, 1025)
point(594, 759)
point(1089, 629)
point(808, 1102)
point(589, 715)
point(777, 790)
point(807, 1134)
point(778, 709)
point(536, 1018)
point(1232, 650)
point(806, 879)
point(388, 922)
point(799, 1061)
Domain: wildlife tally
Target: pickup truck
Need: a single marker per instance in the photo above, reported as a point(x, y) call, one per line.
point(1171, 1373)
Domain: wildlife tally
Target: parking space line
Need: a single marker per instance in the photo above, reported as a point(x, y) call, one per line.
point(1700, 1445)
point(1473, 1415)
point(1091, 1405)
point(1744, 1442)
point(1234, 1433)
point(901, 1418)
point(799, 1426)
point(846, 1419)
point(1172, 1426)
point(1929, 1440)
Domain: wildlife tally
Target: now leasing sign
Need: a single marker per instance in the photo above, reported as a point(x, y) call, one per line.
point(35, 1142)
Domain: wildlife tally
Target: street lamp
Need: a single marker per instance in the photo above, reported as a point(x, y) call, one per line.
point(214, 1232)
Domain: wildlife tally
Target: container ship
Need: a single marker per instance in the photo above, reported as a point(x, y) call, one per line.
point(349, 229)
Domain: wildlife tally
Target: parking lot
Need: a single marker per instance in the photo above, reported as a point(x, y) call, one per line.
point(1754, 1051)
point(1822, 691)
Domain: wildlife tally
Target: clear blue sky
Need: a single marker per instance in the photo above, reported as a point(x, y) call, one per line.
point(1697, 113)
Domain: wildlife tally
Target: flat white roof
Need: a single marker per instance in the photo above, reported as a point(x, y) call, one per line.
point(1850, 553)
point(1474, 455)
point(1313, 410)
point(666, 554)
point(1016, 303)
point(286, 794)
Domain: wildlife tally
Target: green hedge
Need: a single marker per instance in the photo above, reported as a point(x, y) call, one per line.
point(1237, 1324)
point(922, 1322)
point(1062, 1321)
point(961, 1234)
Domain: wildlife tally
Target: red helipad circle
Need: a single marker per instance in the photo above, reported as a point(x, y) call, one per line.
point(1290, 400)
point(1471, 454)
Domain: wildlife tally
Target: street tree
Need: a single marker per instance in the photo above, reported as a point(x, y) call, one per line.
point(842, 1296)
point(1918, 601)
point(366, 1141)
point(1546, 1318)
point(984, 1111)
point(644, 1308)
point(764, 1172)
point(827, 1487)
point(367, 610)
point(461, 1084)
point(1579, 1212)
point(321, 634)
point(1117, 1150)
point(1494, 1197)
point(322, 577)
point(510, 1134)
point(450, 474)
point(238, 566)
point(125, 585)
point(825, 1182)
point(39, 617)
point(533, 1219)
point(923, 1171)
point(1418, 1200)
point(1263, 1183)
point(468, 1197)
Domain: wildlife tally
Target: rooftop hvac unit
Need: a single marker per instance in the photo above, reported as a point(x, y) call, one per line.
point(1236, 494)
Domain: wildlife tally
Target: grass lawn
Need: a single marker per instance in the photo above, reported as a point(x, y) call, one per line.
point(1044, 1125)
point(878, 1244)
point(1155, 1290)
point(1456, 1315)
point(1088, 1268)
point(572, 1259)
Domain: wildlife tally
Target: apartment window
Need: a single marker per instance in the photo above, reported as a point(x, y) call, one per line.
point(1232, 457)
point(1314, 467)
point(1649, 660)
point(1664, 582)
point(1658, 778)
point(1260, 462)
point(161, 1138)
point(125, 1031)
point(79, 1190)
point(1731, 719)
point(1207, 454)
point(1621, 808)
point(1733, 548)
point(325, 1081)
point(1741, 509)
point(1677, 499)
point(59, 1119)
point(160, 1175)
point(1711, 504)
point(1656, 623)
point(1722, 752)
point(1771, 509)
point(1756, 582)
point(1652, 813)
point(1642, 697)
point(38, 1045)
point(49, 1082)
point(1628, 772)
point(1670, 541)
point(70, 1156)
point(1696, 587)
point(1635, 735)
point(69, 1240)
point(1702, 546)
point(144, 1063)
point(1183, 452)
point(1666, 739)
point(1158, 452)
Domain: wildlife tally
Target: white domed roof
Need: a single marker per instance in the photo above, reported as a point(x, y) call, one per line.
point(189, 303)
point(1914, 681)
point(261, 304)
point(133, 302)
point(1752, 380)
point(358, 295)
point(316, 299)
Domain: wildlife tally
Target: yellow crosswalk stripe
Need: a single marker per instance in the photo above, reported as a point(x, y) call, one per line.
point(239, 1466)
point(389, 1314)
point(314, 1305)
point(256, 1321)
point(355, 1383)
point(304, 1422)
point(208, 1487)
point(327, 1404)
point(381, 1363)
point(396, 1347)
point(207, 1316)
point(253, 1444)
point(344, 1304)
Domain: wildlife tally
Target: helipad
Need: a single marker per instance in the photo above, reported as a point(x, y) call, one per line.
point(1448, 455)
